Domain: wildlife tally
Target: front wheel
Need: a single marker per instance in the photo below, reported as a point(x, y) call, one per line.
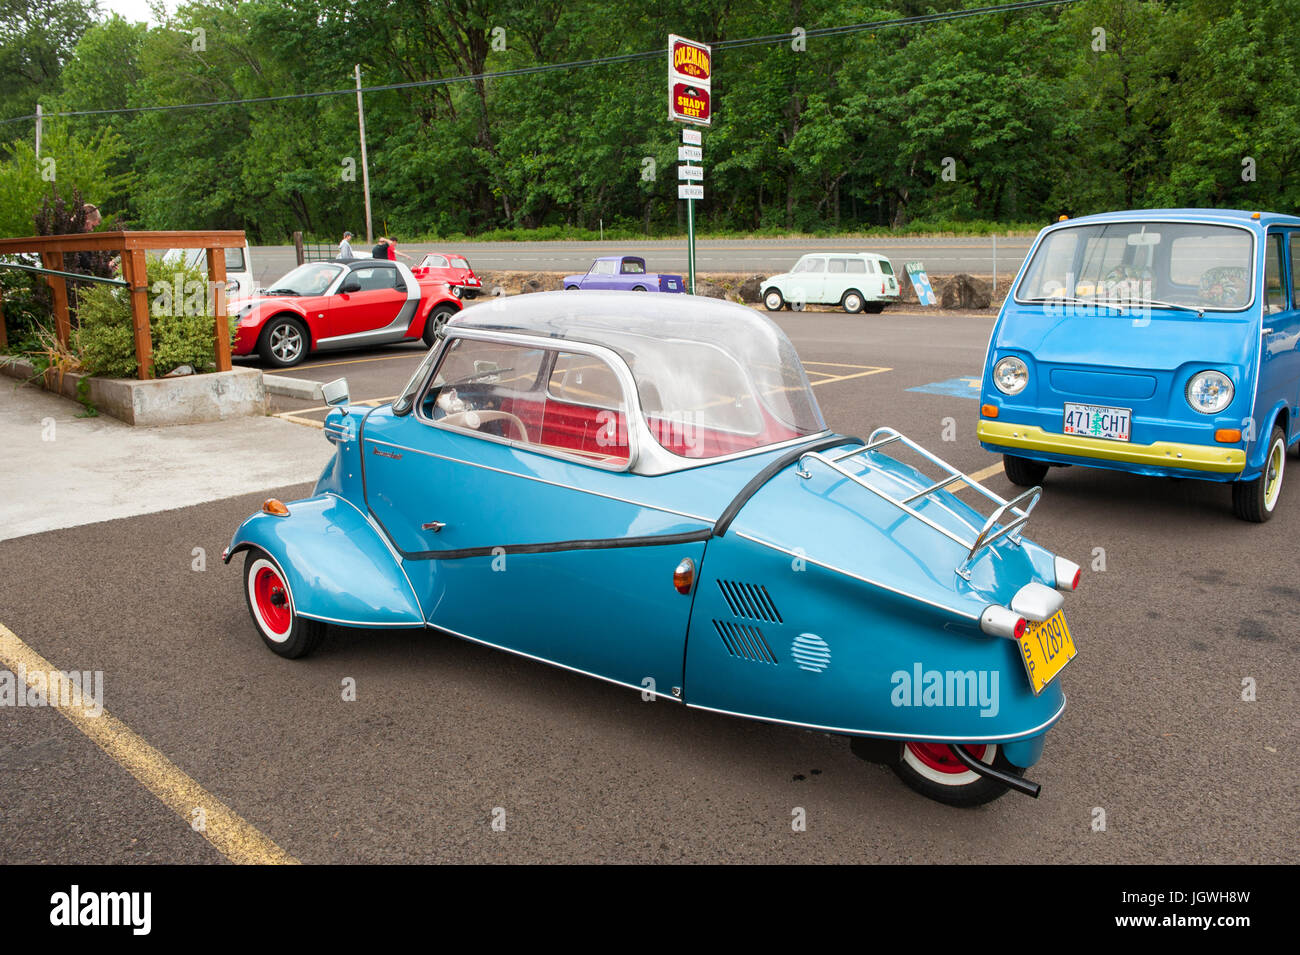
point(932, 770)
point(270, 604)
point(284, 342)
point(772, 300)
point(434, 323)
point(1255, 500)
point(1022, 471)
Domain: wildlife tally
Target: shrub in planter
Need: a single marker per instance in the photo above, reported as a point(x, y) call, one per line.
point(180, 322)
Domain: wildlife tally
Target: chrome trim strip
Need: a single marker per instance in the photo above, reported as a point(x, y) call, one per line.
point(364, 624)
point(562, 666)
point(541, 480)
point(965, 614)
point(1007, 737)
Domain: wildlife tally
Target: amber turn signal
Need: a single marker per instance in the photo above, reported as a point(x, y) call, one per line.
point(989, 411)
point(1228, 435)
point(684, 576)
point(274, 507)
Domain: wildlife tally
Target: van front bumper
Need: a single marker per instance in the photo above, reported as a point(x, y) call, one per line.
point(1161, 454)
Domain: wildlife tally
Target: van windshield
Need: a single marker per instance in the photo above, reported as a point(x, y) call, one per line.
point(1189, 265)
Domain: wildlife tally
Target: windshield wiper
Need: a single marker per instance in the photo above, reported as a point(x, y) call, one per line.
point(1067, 300)
point(283, 291)
point(1200, 312)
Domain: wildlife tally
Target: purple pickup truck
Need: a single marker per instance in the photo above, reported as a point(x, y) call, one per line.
point(624, 273)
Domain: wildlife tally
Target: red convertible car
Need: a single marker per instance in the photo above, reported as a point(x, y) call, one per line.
point(326, 305)
point(451, 268)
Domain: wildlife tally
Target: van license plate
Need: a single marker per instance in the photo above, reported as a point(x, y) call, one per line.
point(1098, 421)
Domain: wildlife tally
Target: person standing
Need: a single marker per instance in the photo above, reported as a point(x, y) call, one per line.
point(392, 251)
point(380, 251)
point(345, 248)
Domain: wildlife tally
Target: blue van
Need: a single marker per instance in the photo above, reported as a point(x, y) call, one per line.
point(1156, 341)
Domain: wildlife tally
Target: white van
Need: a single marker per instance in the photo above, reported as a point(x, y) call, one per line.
point(239, 268)
point(854, 280)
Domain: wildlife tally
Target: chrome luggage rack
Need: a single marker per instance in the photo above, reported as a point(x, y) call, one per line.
point(989, 534)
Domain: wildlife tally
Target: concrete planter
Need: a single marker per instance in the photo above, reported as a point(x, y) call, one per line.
point(163, 401)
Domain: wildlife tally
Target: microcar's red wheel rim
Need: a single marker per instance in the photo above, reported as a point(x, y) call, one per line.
point(272, 598)
point(939, 757)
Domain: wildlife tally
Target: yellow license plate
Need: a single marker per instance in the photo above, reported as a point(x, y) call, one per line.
point(1045, 649)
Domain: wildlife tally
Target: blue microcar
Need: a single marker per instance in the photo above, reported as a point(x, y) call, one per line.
point(642, 489)
point(1159, 341)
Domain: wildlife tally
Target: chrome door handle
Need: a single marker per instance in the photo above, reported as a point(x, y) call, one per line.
point(1266, 331)
point(434, 526)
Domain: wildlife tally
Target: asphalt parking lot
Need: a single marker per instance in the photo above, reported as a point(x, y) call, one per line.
point(1180, 604)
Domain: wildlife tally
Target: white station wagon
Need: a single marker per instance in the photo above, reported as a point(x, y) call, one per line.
point(854, 280)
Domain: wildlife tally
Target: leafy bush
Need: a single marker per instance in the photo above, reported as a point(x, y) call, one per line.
point(27, 304)
point(180, 322)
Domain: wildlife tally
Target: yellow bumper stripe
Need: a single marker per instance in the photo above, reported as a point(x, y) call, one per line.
point(1164, 454)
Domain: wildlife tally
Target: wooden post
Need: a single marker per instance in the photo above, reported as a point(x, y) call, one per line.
point(133, 270)
point(4, 336)
point(217, 284)
point(297, 247)
point(59, 287)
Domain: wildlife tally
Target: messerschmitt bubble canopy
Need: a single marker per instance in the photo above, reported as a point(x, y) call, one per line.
point(708, 379)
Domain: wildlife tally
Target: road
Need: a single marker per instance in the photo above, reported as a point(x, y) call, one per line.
point(941, 256)
point(1180, 604)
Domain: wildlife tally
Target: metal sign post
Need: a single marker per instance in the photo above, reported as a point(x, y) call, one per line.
point(690, 78)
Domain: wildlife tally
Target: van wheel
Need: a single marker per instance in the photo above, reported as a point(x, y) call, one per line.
point(932, 770)
point(772, 300)
point(1022, 471)
point(1255, 500)
point(852, 302)
point(270, 604)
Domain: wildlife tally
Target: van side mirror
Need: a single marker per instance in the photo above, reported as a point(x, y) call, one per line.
point(335, 392)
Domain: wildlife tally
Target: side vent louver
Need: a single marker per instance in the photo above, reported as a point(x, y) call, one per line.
point(750, 600)
point(745, 642)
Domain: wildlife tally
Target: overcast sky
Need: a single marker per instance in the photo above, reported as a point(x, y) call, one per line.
point(137, 11)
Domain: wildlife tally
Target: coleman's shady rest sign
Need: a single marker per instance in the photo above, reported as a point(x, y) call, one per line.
point(690, 74)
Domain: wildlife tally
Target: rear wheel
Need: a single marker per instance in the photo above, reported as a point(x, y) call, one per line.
point(852, 302)
point(772, 300)
point(639, 288)
point(571, 288)
point(1023, 471)
point(435, 322)
point(932, 770)
point(284, 342)
point(270, 604)
point(1255, 500)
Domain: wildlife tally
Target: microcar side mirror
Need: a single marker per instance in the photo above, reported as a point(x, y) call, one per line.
point(350, 286)
point(335, 392)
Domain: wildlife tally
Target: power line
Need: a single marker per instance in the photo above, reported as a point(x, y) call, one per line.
point(920, 19)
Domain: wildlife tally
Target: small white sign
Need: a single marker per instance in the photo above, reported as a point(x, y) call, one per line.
point(692, 137)
point(686, 191)
point(693, 173)
point(690, 153)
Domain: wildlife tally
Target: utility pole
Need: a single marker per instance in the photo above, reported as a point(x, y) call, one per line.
point(365, 167)
point(38, 130)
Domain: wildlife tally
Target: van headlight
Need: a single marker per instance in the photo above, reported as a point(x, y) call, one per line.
point(1209, 392)
point(1010, 375)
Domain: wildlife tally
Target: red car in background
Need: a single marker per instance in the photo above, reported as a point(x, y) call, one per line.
point(327, 305)
point(453, 269)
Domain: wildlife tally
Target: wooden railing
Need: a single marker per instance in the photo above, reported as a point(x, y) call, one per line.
point(132, 247)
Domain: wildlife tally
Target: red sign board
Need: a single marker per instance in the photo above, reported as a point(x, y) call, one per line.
point(690, 76)
point(691, 102)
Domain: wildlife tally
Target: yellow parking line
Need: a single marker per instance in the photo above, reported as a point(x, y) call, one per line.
point(228, 832)
point(860, 374)
point(286, 416)
point(988, 472)
point(359, 361)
